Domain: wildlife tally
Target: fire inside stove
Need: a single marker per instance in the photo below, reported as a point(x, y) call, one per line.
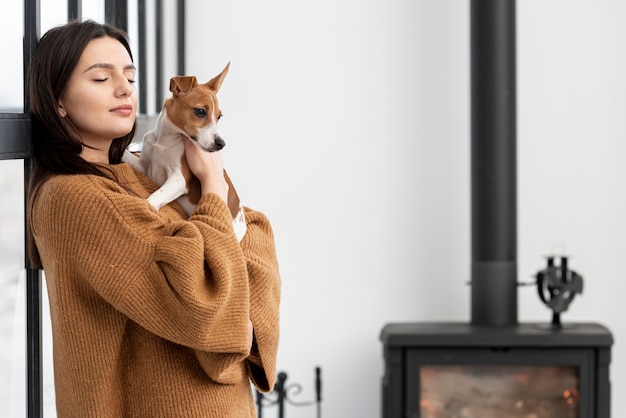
point(478, 391)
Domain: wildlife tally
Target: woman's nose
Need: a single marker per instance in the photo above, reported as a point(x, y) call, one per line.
point(125, 87)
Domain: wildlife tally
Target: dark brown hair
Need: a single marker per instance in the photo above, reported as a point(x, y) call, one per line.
point(56, 145)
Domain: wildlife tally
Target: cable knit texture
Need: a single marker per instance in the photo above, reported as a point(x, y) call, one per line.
point(149, 309)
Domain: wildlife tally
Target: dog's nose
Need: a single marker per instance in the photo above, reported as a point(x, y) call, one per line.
point(219, 143)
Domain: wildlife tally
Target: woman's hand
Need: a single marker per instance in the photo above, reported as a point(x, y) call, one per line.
point(208, 167)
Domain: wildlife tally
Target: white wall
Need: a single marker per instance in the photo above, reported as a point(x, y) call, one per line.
point(348, 124)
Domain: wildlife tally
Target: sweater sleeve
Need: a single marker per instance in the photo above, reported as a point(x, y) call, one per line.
point(264, 290)
point(184, 280)
point(259, 249)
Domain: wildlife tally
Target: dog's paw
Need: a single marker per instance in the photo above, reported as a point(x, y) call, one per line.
point(156, 202)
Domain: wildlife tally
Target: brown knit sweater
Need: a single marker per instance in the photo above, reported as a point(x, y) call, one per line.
point(150, 309)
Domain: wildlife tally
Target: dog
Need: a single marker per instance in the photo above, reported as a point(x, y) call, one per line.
point(192, 111)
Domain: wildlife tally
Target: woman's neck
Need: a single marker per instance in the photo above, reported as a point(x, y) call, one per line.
point(96, 156)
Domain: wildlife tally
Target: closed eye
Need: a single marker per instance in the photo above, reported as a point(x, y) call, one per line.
point(102, 80)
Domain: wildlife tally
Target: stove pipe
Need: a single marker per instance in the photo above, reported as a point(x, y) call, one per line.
point(493, 163)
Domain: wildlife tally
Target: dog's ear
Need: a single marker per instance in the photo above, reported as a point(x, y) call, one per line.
point(182, 84)
point(216, 82)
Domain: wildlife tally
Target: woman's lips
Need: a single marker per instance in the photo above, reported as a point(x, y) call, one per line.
point(125, 110)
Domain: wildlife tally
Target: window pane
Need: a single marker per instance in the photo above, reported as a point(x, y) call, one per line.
point(52, 13)
point(94, 10)
point(11, 34)
point(12, 290)
point(13, 302)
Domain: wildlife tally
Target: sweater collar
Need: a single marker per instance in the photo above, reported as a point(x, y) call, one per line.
point(124, 173)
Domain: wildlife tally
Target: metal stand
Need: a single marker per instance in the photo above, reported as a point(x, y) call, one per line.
point(282, 392)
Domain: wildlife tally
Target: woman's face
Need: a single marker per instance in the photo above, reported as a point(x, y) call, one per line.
point(100, 98)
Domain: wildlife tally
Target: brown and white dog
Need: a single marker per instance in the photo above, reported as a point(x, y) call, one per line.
point(191, 111)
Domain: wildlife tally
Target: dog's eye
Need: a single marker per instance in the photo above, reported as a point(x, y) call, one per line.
point(200, 112)
point(220, 116)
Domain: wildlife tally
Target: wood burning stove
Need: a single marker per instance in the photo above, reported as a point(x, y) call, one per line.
point(494, 366)
point(445, 370)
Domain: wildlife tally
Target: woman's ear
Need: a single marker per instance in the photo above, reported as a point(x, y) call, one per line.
point(61, 111)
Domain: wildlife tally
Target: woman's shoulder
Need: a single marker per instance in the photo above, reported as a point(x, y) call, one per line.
point(79, 190)
point(63, 195)
point(115, 178)
point(87, 198)
point(64, 186)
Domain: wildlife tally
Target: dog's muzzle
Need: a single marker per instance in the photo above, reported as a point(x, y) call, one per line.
point(218, 144)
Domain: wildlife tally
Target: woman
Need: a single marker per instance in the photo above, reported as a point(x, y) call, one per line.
point(153, 314)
